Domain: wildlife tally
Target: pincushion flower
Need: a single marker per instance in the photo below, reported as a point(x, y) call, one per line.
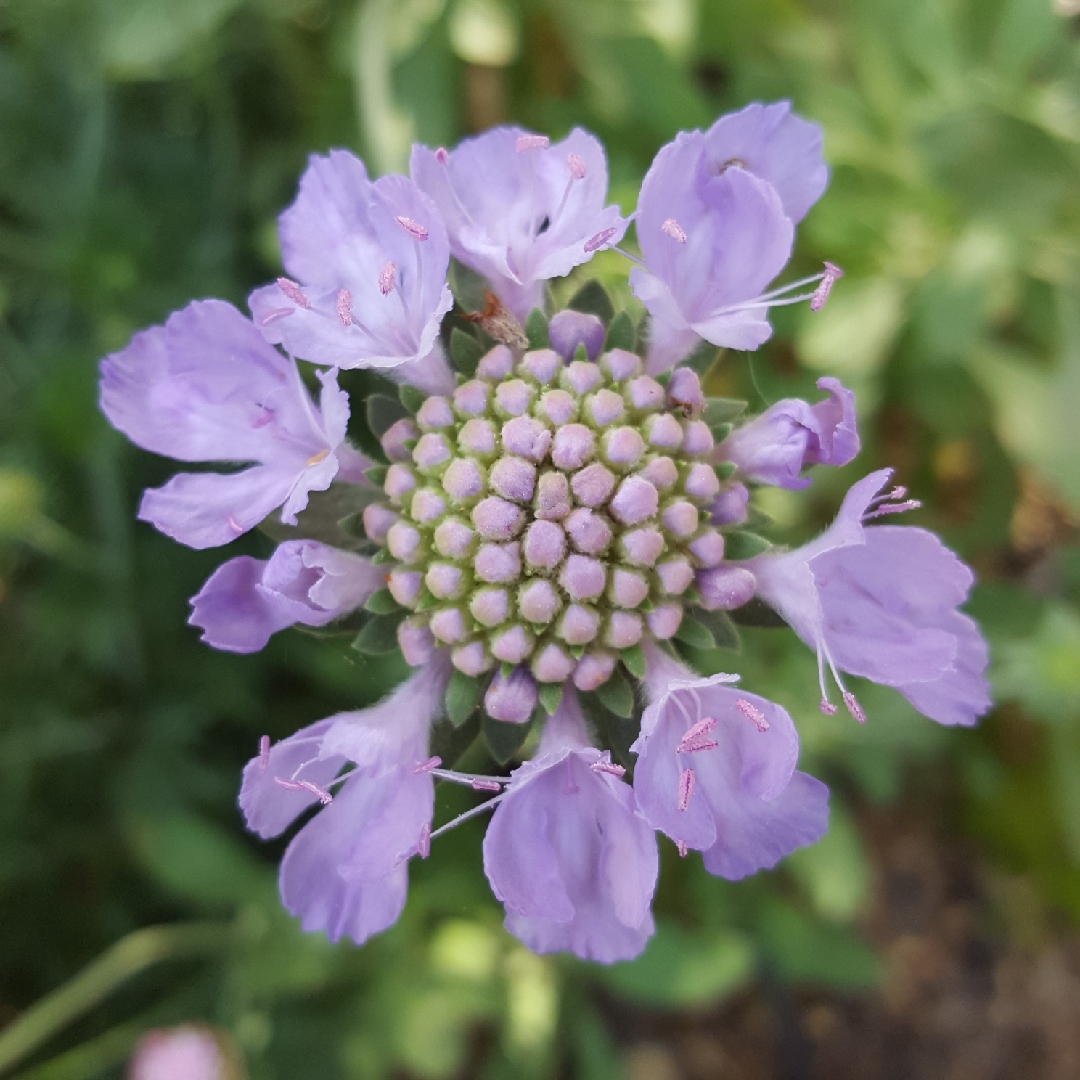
point(369, 261)
point(207, 387)
point(520, 210)
point(549, 536)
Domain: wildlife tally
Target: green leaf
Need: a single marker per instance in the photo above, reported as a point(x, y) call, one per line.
point(620, 333)
point(617, 695)
point(694, 634)
point(379, 636)
point(377, 474)
point(722, 410)
point(757, 613)
point(592, 298)
point(536, 330)
point(503, 739)
point(550, 696)
point(467, 286)
point(382, 603)
point(724, 470)
point(634, 661)
point(382, 556)
point(411, 397)
point(462, 696)
point(724, 632)
point(739, 544)
point(465, 352)
point(383, 411)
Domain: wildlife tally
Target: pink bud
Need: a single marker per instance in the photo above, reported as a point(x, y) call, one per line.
point(642, 547)
point(513, 478)
point(399, 482)
point(513, 698)
point(628, 589)
point(542, 364)
point(592, 485)
point(664, 620)
point(427, 506)
point(624, 446)
point(621, 364)
point(526, 436)
point(431, 451)
point(708, 548)
point(545, 545)
point(189, 1052)
point(661, 472)
point(404, 586)
point(394, 438)
point(582, 578)
point(471, 398)
point(512, 398)
point(377, 521)
point(558, 406)
point(645, 393)
point(498, 564)
point(497, 519)
point(471, 659)
point(701, 482)
point(582, 376)
point(624, 630)
point(538, 602)
point(578, 625)
point(489, 607)
point(685, 394)
point(635, 501)
point(573, 446)
point(552, 664)
point(680, 518)
point(403, 541)
point(463, 479)
point(496, 364)
point(477, 436)
point(443, 580)
point(448, 625)
point(589, 532)
point(453, 538)
point(605, 407)
point(664, 431)
point(697, 438)
point(553, 496)
point(676, 575)
point(435, 413)
point(729, 507)
point(415, 641)
point(512, 646)
point(593, 670)
point(725, 588)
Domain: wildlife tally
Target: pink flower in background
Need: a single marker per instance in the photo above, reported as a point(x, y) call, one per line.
point(188, 1052)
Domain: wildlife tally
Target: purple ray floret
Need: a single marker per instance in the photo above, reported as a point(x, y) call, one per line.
point(345, 872)
point(716, 771)
point(520, 211)
point(568, 854)
point(246, 600)
point(776, 446)
point(881, 601)
point(367, 269)
point(207, 387)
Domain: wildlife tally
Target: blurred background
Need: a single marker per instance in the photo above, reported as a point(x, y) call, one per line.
point(146, 147)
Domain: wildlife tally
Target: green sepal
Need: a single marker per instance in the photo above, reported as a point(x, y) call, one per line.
point(757, 613)
point(634, 661)
point(720, 410)
point(425, 601)
point(465, 352)
point(724, 632)
point(503, 739)
point(620, 333)
point(550, 695)
point(739, 544)
point(536, 330)
point(379, 635)
point(382, 603)
point(664, 378)
point(409, 444)
point(576, 651)
point(411, 397)
point(725, 470)
point(506, 670)
point(377, 474)
point(617, 695)
point(382, 411)
point(592, 299)
point(462, 696)
point(382, 556)
point(694, 634)
point(720, 431)
point(580, 352)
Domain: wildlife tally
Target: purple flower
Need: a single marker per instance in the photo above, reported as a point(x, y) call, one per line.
point(776, 446)
point(345, 872)
point(881, 602)
point(567, 852)
point(188, 1052)
point(715, 223)
point(518, 210)
point(716, 771)
point(207, 387)
point(246, 600)
point(369, 261)
point(568, 329)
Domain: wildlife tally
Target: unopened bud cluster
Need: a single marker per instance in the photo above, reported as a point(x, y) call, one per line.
point(548, 514)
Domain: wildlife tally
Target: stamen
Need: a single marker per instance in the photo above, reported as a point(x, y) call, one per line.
point(821, 293)
point(273, 316)
point(344, 307)
point(427, 766)
point(696, 739)
point(305, 785)
point(387, 278)
point(892, 508)
point(682, 848)
point(752, 713)
point(293, 292)
point(686, 787)
point(264, 752)
point(674, 230)
point(600, 239)
point(577, 166)
point(265, 417)
point(423, 845)
point(485, 785)
point(441, 156)
point(531, 142)
point(316, 458)
point(733, 162)
point(482, 808)
point(827, 707)
point(234, 525)
point(854, 707)
point(606, 766)
point(413, 228)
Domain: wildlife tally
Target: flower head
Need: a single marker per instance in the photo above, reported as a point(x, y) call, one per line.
point(369, 261)
point(520, 210)
point(207, 387)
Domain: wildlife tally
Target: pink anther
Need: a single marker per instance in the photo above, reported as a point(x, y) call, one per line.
point(892, 508)
point(264, 752)
point(681, 847)
point(486, 785)
point(413, 228)
point(531, 142)
point(427, 766)
point(441, 156)
point(604, 766)
point(854, 707)
point(577, 166)
point(321, 794)
point(234, 525)
point(423, 844)
point(686, 787)
point(273, 316)
point(600, 239)
point(673, 229)
point(827, 707)
point(293, 292)
point(752, 713)
point(387, 278)
point(696, 739)
point(344, 307)
point(821, 293)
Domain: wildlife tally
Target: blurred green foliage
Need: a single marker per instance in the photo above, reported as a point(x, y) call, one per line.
point(146, 149)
